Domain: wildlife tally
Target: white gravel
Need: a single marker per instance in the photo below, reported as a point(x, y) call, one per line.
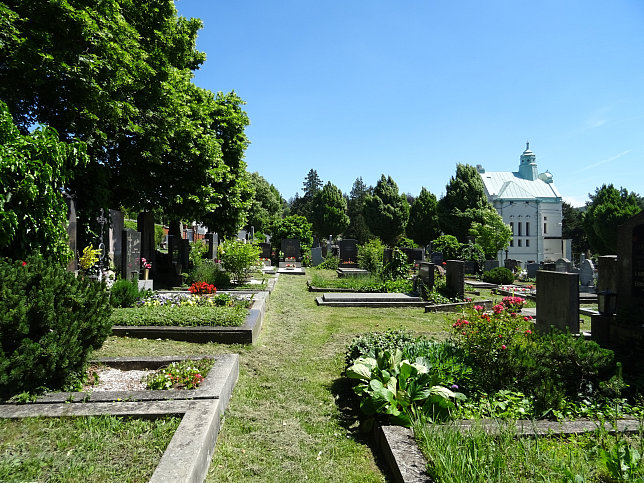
point(110, 379)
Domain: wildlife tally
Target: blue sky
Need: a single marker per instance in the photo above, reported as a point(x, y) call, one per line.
point(409, 89)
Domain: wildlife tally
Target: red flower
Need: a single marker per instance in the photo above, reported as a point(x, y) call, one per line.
point(24, 263)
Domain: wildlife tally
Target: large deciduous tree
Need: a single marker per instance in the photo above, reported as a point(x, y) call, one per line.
point(422, 226)
point(34, 170)
point(329, 211)
point(608, 208)
point(573, 228)
point(386, 211)
point(464, 202)
point(117, 74)
point(266, 205)
point(492, 235)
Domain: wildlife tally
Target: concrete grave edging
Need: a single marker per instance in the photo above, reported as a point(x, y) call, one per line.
point(245, 334)
point(187, 456)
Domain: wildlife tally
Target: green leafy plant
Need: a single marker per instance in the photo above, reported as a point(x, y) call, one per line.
point(330, 263)
point(50, 322)
point(397, 267)
point(181, 316)
point(180, 375)
point(198, 250)
point(125, 293)
point(239, 258)
point(208, 271)
point(622, 461)
point(392, 386)
point(499, 276)
point(370, 256)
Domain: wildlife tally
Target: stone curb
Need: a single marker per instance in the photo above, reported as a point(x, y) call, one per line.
point(187, 457)
point(246, 334)
point(408, 465)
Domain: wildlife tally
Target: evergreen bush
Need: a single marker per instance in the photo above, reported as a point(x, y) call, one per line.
point(371, 256)
point(209, 271)
point(50, 321)
point(499, 276)
point(124, 293)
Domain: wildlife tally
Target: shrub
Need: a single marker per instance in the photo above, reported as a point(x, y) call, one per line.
point(50, 321)
point(397, 267)
point(198, 250)
point(370, 256)
point(330, 263)
point(208, 271)
point(239, 258)
point(499, 276)
point(448, 245)
point(124, 293)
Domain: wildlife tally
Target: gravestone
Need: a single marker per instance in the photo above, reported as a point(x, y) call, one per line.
point(348, 252)
point(557, 301)
point(470, 266)
point(630, 259)
point(607, 274)
point(316, 256)
point(513, 265)
point(563, 265)
point(414, 255)
point(386, 256)
point(587, 273)
point(131, 254)
point(426, 274)
point(265, 250)
point(436, 258)
point(115, 235)
point(291, 248)
point(252, 234)
point(212, 241)
point(532, 269)
point(190, 235)
point(490, 265)
point(242, 235)
point(316, 242)
point(549, 266)
point(455, 278)
point(72, 229)
point(145, 226)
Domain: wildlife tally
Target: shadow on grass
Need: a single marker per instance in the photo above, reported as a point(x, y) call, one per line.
point(348, 406)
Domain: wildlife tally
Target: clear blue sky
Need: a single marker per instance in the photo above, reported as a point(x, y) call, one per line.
point(410, 89)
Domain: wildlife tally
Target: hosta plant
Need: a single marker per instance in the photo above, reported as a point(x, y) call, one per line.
point(392, 386)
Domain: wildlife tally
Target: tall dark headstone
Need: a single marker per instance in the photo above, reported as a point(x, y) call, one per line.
point(131, 254)
point(348, 252)
point(291, 248)
point(414, 255)
point(265, 252)
point(557, 301)
point(426, 274)
point(145, 226)
point(455, 278)
point(436, 258)
point(630, 259)
point(72, 234)
point(212, 241)
point(115, 235)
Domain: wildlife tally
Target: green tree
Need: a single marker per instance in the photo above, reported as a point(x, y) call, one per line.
point(573, 228)
point(464, 202)
point(386, 211)
point(493, 235)
point(422, 226)
point(608, 208)
point(358, 228)
point(34, 171)
point(293, 226)
point(448, 245)
point(329, 211)
point(302, 205)
point(266, 205)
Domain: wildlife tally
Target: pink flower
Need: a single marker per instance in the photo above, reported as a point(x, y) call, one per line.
point(503, 347)
point(478, 308)
point(528, 332)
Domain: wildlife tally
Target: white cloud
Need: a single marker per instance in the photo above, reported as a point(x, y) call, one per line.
point(607, 160)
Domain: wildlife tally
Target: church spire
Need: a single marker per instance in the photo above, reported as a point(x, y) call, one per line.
point(528, 165)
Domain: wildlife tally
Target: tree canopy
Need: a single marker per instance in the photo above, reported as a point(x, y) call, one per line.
point(464, 202)
point(329, 211)
point(422, 226)
point(358, 228)
point(266, 205)
point(386, 211)
point(34, 170)
point(492, 235)
point(608, 208)
point(117, 74)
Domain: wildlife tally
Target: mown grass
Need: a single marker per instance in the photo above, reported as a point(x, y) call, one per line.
point(90, 449)
point(291, 416)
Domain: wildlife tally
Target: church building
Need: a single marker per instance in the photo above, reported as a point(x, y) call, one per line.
point(531, 204)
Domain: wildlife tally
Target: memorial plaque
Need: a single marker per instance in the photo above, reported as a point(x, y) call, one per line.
point(348, 251)
point(265, 250)
point(131, 254)
point(291, 248)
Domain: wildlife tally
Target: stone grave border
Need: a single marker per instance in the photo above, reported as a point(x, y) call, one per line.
point(407, 463)
point(245, 334)
point(188, 455)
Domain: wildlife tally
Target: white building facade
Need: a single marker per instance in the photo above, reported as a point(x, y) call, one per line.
point(531, 204)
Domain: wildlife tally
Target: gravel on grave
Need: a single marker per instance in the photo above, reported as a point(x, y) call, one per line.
point(110, 379)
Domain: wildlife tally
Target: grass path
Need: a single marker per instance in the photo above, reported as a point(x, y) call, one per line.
point(287, 419)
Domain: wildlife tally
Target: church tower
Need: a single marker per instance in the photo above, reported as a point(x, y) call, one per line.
point(528, 166)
